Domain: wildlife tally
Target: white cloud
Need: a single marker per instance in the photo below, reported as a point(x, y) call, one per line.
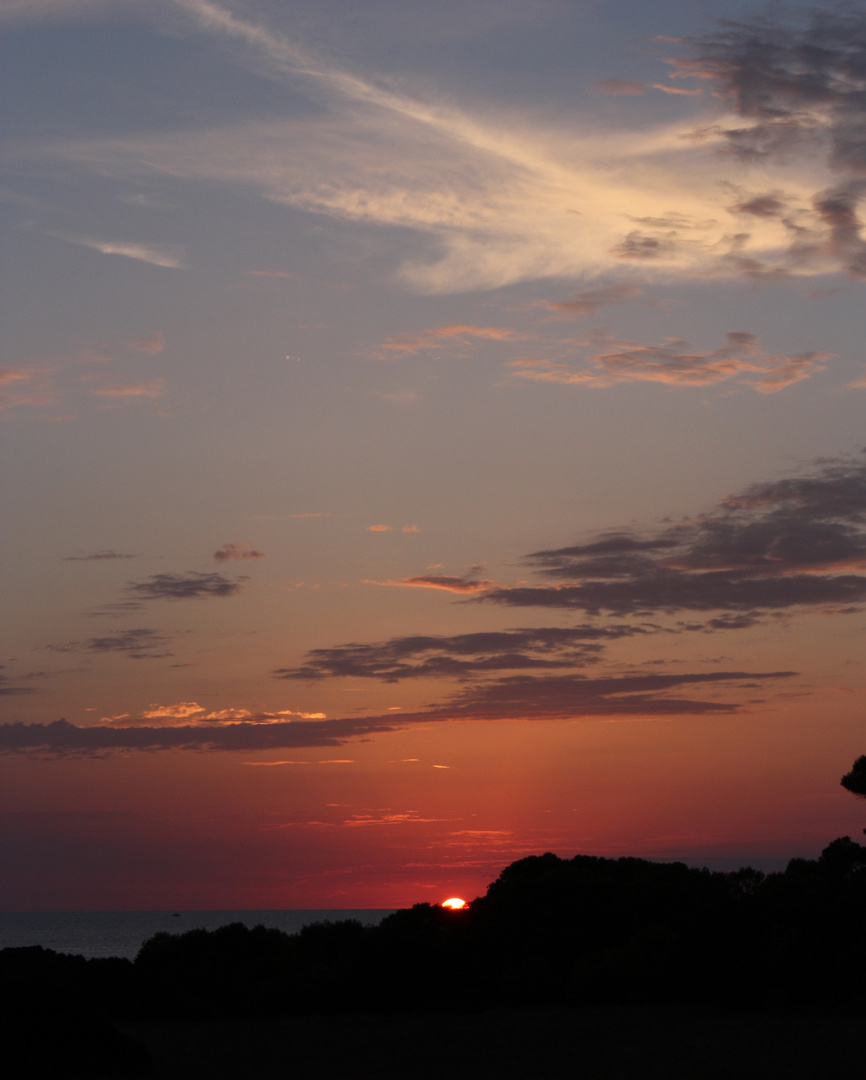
point(503, 199)
point(167, 255)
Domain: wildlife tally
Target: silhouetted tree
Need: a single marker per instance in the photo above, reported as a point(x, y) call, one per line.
point(855, 781)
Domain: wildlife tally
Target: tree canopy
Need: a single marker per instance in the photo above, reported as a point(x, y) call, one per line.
point(855, 781)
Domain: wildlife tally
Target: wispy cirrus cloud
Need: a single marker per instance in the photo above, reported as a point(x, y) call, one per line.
point(193, 585)
point(787, 544)
point(454, 336)
point(229, 552)
point(163, 255)
point(151, 388)
point(506, 201)
point(677, 362)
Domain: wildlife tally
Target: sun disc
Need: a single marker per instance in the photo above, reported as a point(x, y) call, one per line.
point(454, 903)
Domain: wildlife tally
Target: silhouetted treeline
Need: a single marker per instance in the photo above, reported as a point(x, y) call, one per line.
point(548, 931)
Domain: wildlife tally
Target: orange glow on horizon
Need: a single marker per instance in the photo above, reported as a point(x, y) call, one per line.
point(454, 903)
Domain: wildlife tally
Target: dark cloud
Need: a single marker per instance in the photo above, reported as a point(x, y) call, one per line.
point(794, 81)
point(99, 556)
point(519, 697)
point(189, 586)
point(117, 610)
point(138, 644)
point(569, 697)
point(798, 85)
point(640, 245)
point(65, 738)
point(764, 206)
point(461, 655)
point(237, 551)
point(789, 543)
point(8, 690)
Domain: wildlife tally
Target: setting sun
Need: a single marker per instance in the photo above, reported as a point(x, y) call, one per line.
point(454, 903)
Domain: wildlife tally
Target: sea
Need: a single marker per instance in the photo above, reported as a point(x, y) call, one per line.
point(122, 933)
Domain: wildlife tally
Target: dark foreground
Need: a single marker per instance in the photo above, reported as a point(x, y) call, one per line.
point(584, 967)
point(580, 1044)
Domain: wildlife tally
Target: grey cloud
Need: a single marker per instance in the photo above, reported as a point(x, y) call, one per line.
point(461, 655)
point(520, 697)
point(639, 245)
point(189, 586)
point(789, 543)
point(798, 85)
point(760, 206)
point(237, 551)
point(140, 644)
point(566, 697)
point(9, 690)
point(118, 609)
point(65, 738)
point(794, 81)
point(98, 556)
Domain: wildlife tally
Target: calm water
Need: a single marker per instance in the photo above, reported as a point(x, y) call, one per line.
point(121, 933)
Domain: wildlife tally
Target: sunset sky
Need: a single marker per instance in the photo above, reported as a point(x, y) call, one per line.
point(432, 434)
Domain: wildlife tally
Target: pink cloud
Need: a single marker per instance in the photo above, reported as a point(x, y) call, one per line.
point(440, 581)
point(676, 90)
point(677, 362)
point(150, 345)
point(151, 389)
point(441, 336)
point(620, 87)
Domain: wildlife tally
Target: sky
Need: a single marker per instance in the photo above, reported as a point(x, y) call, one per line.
point(431, 435)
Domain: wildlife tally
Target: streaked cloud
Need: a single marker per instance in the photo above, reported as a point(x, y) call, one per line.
point(140, 644)
point(228, 552)
point(163, 255)
point(441, 337)
point(190, 586)
point(150, 345)
point(621, 87)
point(152, 388)
point(467, 584)
point(62, 737)
point(678, 362)
point(99, 556)
point(517, 698)
point(8, 689)
point(190, 712)
point(787, 544)
point(461, 655)
point(589, 301)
